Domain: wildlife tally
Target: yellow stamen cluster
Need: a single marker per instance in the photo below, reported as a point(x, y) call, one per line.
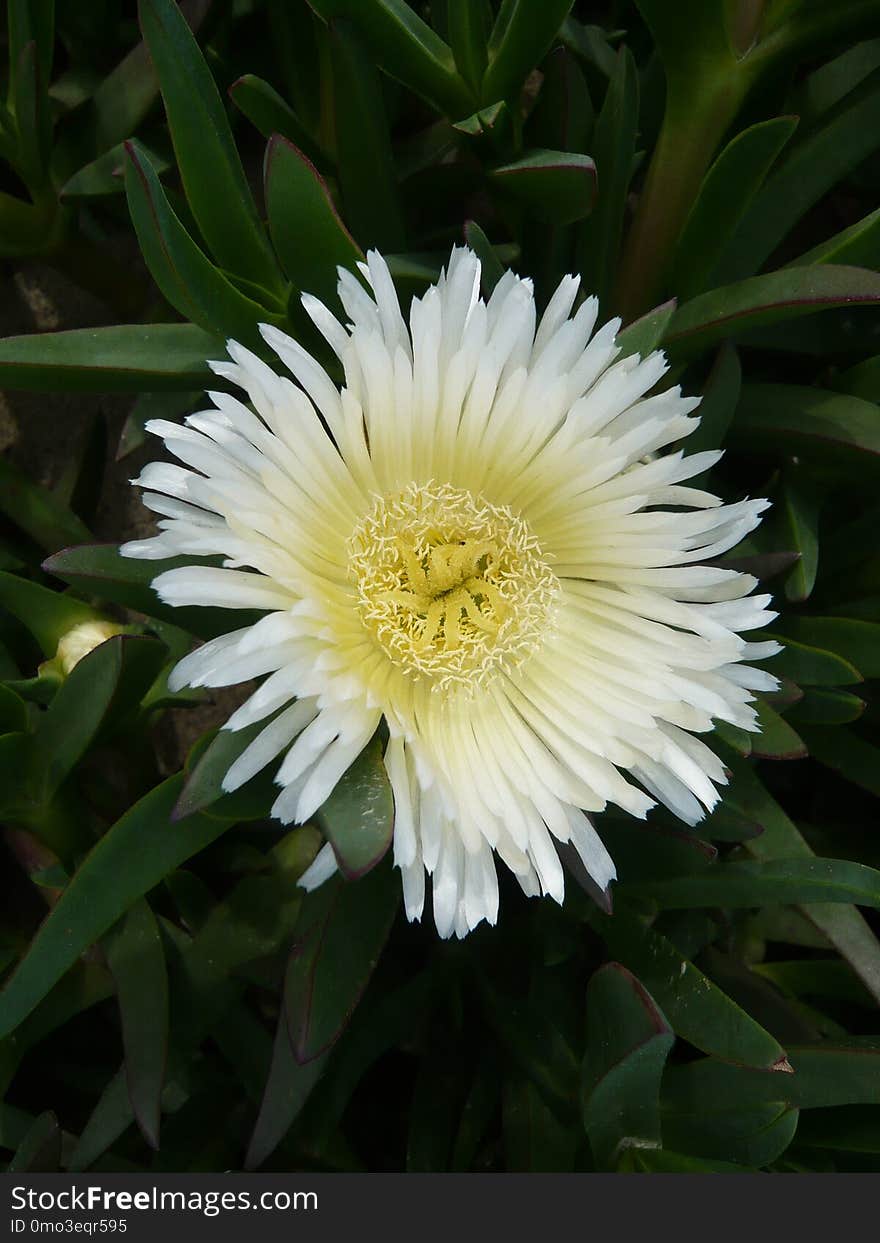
point(452, 588)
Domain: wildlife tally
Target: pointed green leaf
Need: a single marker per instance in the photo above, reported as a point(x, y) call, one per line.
point(184, 274)
point(308, 234)
point(406, 48)
point(47, 614)
point(557, 187)
point(137, 963)
point(614, 142)
point(365, 161)
point(112, 678)
point(99, 570)
point(745, 305)
point(856, 642)
point(628, 1042)
point(265, 108)
point(124, 358)
point(697, 1009)
point(287, 1089)
point(522, 35)
point(213, 178)
point(821, 426)
point(727, 190)
point(329, 969)
point(791, 881)
point(126, 863)
point(358, 817)
point(646, 333)
point(777, 740)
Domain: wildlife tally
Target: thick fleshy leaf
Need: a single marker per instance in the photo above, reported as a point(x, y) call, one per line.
point(137, 963)
point(557, 187)
point(99, 570)
point(406, 48)
point(536, 1141)
point(123, 358)
point(720, 398)
point(40, 1150)
point(753, 1135)
point(642, 851)
point(102, 686)
point(271, 114)
point(329, 969)
point(748, 304)
point(126, 863)
point(697, 1009)
point(827, 707)
point(614, 142)
point(727, 190)
point(800, 517)
point(812, 166)
point(287, 1089)
point(522, 35)
point(824, 1076)
point(120, 102)
point(859, 245)
point(39, 513)
point(467, 32)
point(534, 1044)
point(844, 926)
point(812, 666)
point(365, 161)
point(762, 884)
point(563, 117)
point(203, 790)
point(855, 641)
point(48, 615)
point(358, 817)
point(850, 755)
point(645, 334)
point(308, 234)
point(822, 426)
point(491, 267)
point(628, 1042)
point(213, 178)
point(182, 271)
point(777, 740)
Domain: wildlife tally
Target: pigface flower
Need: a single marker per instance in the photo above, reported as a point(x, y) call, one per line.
point(482, 539)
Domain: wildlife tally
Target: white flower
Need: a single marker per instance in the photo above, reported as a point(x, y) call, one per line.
point(476, 540)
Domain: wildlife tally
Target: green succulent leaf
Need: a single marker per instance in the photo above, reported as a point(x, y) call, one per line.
point(614, 144)
point(817, 425)
point(123, 358)
point(213, 178)
point(100, 570)
point(306, 228)
point(367, 175)
point(406, 48)
point(328, 969)
point(777, 296)
point(628, 1042)
point(182, 271)
point(728, 188)
point(523, 33)
point(762, 884)
point(698, 1010)
point(271, 114)
point(137, 962)
point(132, 857)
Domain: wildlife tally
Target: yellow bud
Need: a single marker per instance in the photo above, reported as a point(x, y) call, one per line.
point(79, 641)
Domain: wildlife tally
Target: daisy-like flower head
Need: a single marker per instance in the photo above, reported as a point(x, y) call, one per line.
point(483, 540)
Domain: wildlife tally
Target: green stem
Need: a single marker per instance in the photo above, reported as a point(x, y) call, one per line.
point(691, 132)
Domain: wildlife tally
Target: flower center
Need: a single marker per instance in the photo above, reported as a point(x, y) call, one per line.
point(452, 588)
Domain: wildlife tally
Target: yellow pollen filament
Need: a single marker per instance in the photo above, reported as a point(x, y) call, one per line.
point(452, 588)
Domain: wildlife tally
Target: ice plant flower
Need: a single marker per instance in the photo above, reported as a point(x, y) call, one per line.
point(482, 539)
